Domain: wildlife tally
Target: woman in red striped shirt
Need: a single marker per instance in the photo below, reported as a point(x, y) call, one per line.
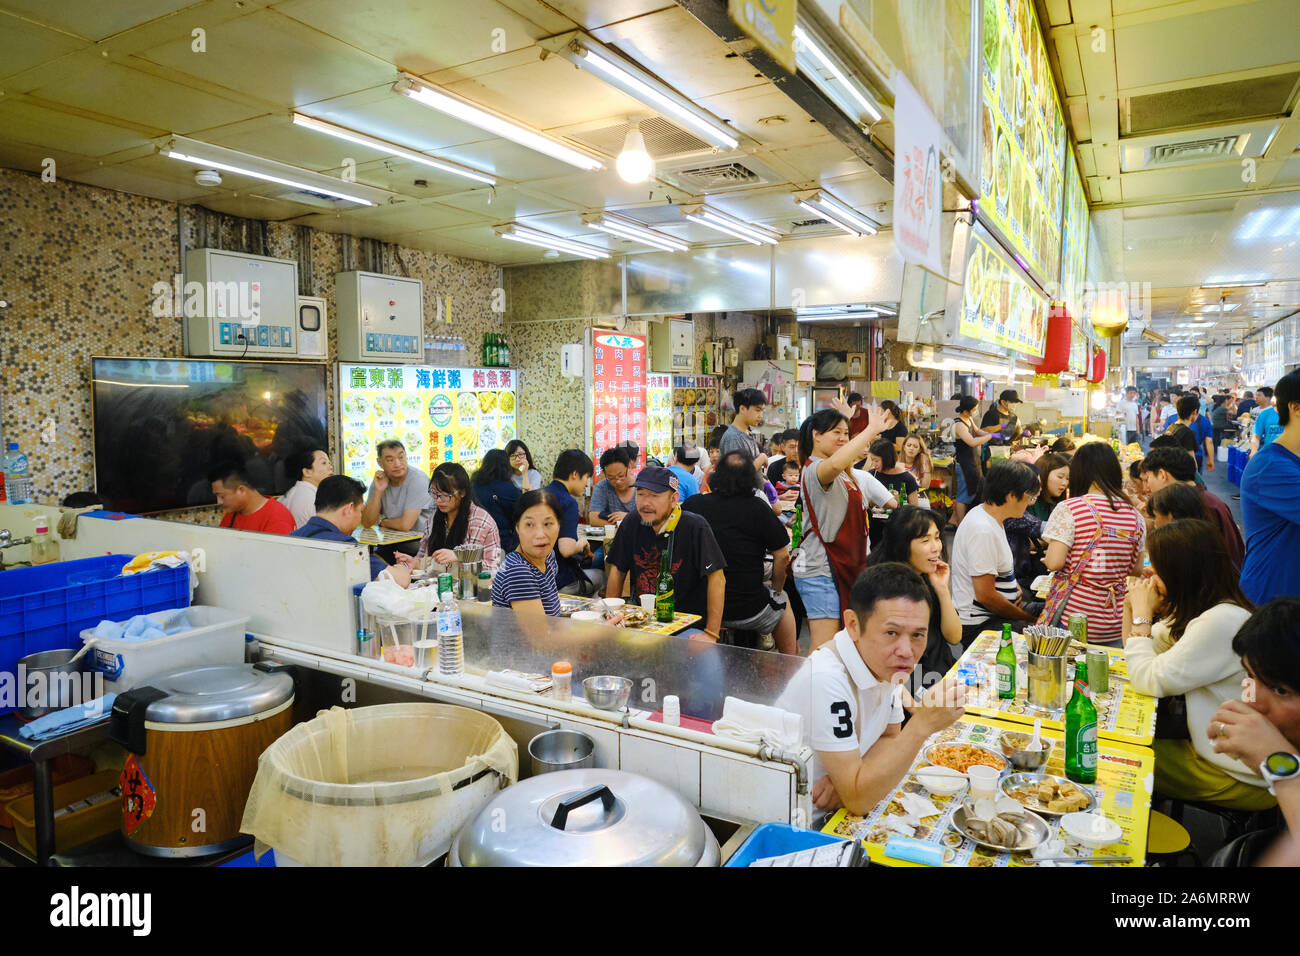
point(1094, 542)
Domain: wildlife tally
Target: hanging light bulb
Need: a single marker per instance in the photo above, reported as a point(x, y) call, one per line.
point(635, 165)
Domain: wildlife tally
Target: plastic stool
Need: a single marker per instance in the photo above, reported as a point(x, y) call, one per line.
point(1167, 840)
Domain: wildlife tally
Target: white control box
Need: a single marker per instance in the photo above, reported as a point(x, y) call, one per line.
point(672, 345)
point(238, 305)
point(313, 327)
point(381, 318)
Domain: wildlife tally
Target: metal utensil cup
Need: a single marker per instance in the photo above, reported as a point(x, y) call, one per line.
point(1049, 681)
point(469, 562)
point(561, 750)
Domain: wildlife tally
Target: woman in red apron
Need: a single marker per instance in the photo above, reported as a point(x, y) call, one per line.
point(833, 550)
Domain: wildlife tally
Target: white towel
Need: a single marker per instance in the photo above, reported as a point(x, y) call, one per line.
point(756, 723)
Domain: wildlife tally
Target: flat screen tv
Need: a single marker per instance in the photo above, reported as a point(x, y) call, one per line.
point(161, 424)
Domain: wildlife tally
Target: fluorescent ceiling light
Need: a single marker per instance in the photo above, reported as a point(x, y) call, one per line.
point(207, 156)
point(535, 237)
point(1276, 222)
point(817, 312)
point(601, 61)
point(815, 62)
point(957, 361)
point(392, 149)
point(707, 216)
point(626, 228)
point(454, 105)
point(823, 204)
point(1214, 308)
point(1234, 285)
point(1194, 325)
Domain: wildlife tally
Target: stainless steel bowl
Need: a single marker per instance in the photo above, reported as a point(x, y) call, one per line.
point(61, 681)
point(606, 692)
point(1032, 832)
point(1012, 745)
point(1016, 781)
point(561, 750)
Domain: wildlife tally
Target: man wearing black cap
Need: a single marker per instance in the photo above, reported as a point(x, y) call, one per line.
point(659, 524)
point(1002, 413)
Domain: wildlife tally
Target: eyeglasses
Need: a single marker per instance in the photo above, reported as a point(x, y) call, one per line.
point(443, 496)
point(519, 454)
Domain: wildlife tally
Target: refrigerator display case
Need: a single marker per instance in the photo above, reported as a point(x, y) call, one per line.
point(696, 408)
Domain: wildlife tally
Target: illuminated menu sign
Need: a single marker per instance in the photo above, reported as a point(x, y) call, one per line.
point(1074, 240)
point(998, 306)
point(1022, 137)
point(618, 391)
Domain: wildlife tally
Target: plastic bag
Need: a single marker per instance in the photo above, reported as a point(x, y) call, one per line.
point(388, 598)
point(1222, 453)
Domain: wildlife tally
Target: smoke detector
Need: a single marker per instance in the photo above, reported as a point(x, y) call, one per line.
point(207, 177)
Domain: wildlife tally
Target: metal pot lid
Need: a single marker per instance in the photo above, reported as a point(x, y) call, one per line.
point(217, 692)
point(584, 818)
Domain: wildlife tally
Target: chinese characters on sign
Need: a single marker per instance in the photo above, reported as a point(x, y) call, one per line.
point(618, 392)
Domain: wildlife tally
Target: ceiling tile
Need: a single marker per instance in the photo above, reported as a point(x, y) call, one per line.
point(96, 21)
point(24, 45)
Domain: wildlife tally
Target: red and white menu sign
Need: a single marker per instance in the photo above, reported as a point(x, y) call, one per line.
point(618, 391)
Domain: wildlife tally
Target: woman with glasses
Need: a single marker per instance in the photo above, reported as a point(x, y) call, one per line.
point(457, 520)
point(1094, 542)
point(522, 472)
point(614, 498)
point(497, 493)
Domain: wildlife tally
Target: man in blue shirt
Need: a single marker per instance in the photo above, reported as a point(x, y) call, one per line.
point(573, 469)
point(1268, 424)
point(339, 500)
point(681, 465)
point(1270, 488)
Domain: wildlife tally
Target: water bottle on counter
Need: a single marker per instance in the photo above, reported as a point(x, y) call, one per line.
point(451, 647)
point(18, 487)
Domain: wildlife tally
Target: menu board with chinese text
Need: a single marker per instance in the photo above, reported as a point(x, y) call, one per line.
point(1074, 241)
point(1022, 137)
point(617, 391)
point(695, 408)
point(659, 421)
point(439, 414)
point(999, 307)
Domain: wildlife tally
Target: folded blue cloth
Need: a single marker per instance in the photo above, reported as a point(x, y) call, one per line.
point(109, 630)
point(152, 634)
point(145, 627)
point(135, 627)
point(69, 719)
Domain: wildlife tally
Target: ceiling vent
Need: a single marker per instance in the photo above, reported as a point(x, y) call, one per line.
point(308, 197)
point(663, 139)
point(716, 178)
point(1192, 151)
point(1207, 105)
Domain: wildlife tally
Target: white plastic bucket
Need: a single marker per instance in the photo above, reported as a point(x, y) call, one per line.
point(216, 636)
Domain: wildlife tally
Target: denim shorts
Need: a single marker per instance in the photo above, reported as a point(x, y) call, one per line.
point(963, 496)
point(821, 599)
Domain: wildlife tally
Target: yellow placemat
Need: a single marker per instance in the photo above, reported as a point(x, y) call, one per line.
point(680, 622)
point(1125, 778)
point(1122, 713)
point(379, 536)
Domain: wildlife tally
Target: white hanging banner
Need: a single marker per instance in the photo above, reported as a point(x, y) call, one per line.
point(918, 188)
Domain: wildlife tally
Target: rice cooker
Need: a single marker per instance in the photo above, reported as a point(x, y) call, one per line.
point(194, 737)
point(586, 818)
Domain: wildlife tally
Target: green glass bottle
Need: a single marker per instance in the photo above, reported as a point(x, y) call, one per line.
point(704, 362)
point(492, 350)
point(665, 601)
point(483, 352)
point(796, 525)
point(1081, 728)
point(1005, 665)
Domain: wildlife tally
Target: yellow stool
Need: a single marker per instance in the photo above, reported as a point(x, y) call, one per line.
point(1169, 839)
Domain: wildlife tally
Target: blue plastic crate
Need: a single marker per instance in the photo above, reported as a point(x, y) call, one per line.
point(47, 607)
point(776, 839)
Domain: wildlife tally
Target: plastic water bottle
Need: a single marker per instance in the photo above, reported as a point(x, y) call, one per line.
point(18, 487)
point(451, 647)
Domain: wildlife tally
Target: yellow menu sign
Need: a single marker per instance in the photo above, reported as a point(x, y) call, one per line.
point(770, 24)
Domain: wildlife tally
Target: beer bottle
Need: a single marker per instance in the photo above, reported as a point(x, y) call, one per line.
point(1005, 665)
point(483, 352)
point(665, 601)
point(1081, 728)
point(796, 526)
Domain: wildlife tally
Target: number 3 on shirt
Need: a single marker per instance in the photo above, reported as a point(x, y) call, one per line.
point(845, 727)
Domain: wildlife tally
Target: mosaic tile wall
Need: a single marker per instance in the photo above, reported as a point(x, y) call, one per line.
point(78, 263)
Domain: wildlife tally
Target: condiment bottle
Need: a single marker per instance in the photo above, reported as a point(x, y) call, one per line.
point(562, 681)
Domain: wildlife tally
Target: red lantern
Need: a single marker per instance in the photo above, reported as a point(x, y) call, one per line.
point(1098, 373)
point(1056, 349)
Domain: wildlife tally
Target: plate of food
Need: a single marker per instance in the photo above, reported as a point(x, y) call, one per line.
point(988, 137)
point(570, 604)
point(487, 401)
point(355, 406)
point(974, 281)
point(634, 616)
point(1047, 795)
point(1002, 165)
point(961, 757)
point(356, 446)
point(385, 406)
point(710, 396)
point(506, 402)
point(1001, 824)
point(507, 433)
point(413, 440)
point(488, 434)
point(689, 397)
point(412, 406)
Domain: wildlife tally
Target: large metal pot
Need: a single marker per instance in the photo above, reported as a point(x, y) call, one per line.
point(60, 685)
point(586, 818)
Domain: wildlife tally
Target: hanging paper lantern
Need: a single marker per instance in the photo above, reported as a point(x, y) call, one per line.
point(1056, 347)
point(1109, 313)
point(1097, 372)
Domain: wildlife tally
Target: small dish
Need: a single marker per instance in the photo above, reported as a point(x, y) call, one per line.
point(1093, 830)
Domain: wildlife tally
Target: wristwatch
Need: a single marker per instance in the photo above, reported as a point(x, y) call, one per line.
point(1279, 767)
point(1142, 620)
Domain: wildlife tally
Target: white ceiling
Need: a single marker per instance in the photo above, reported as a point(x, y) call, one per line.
point(1139, 75)
point(96, 85)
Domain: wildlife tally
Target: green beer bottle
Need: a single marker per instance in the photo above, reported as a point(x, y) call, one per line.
point(1005, 665)
point(665, 603)
point(1081, 728)
point(796, 526)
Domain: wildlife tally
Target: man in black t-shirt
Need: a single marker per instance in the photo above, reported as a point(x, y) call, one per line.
point(1183, 431)
point(747, 531)
point(659, 522)
point(1002, 413)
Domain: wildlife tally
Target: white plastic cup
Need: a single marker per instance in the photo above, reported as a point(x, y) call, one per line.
point(648, 603)
point(672, 711)
point(983, 782)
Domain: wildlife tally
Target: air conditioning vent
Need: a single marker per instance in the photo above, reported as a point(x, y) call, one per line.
point(809, 224)
point(1206, 105)
point(311, 198)
point(663, 139)
point(1191, 151)
point(708, 179)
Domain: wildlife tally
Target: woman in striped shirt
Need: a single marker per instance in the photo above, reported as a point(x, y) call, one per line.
point(526, 581)
point(458, 520)
point(1094, 542)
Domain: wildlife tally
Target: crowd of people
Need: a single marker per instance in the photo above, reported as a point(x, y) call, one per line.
point(1212, 609)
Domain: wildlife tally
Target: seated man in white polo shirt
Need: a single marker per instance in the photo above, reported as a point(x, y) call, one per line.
point(852, 698)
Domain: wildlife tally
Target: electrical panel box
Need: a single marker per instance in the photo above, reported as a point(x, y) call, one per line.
point(238, 305)
point(381, 318)
point(313, 327)
point(672, 345)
